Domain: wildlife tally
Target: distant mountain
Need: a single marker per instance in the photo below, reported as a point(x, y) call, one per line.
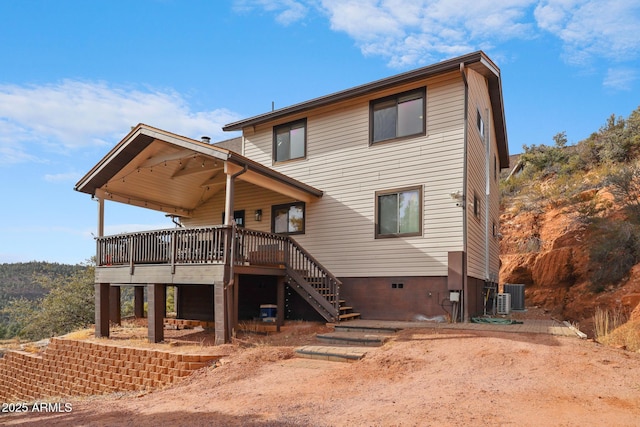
point(19, 280)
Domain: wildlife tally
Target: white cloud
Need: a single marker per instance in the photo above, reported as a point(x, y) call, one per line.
point(75, 114)
point(620, 79)
point(286, 11)
point(421, 31)
point(63, 177)
point(592, 28)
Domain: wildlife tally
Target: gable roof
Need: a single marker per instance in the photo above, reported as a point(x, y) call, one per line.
point(183, 166)
point(477, 61)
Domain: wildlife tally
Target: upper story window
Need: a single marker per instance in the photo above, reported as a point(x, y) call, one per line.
point(476, 205)
point(399, 212)
point(480, 125)
point(398, 116)
point(290, 141)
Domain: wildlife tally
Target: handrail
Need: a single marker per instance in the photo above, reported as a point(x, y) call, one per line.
point(171, 246)
point(258, 247)
point(228, 245)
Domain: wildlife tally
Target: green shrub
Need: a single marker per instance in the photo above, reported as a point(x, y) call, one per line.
point(625, 187)
point(614, 249)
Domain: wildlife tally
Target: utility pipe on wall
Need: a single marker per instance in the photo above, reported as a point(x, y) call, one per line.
point(487, 209)
point(464, 309)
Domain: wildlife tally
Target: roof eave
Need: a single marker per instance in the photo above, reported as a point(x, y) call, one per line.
point(420, 73)
point(142, 135)
point(477, 60)
point(126, 150)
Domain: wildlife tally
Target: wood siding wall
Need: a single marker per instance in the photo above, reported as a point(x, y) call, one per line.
point(340, 226)
point(248, 197)
point(476, 182)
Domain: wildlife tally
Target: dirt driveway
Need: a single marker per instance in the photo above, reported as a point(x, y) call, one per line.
point(423, 377)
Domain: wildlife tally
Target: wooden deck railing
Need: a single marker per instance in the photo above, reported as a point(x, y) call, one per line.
point(208, 244)
point(174, 246)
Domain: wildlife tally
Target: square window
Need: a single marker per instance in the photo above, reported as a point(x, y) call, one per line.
point(398, 116)
point(399, 212)
point(290, 141)
point(288, 218)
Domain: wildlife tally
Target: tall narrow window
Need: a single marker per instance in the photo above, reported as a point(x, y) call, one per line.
point(398, 116)
point(480, 125)
point(399, 212)
point(290, 141)
point(476, 206)
point(288, 219)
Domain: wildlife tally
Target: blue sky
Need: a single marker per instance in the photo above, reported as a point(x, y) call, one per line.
point(75, 75)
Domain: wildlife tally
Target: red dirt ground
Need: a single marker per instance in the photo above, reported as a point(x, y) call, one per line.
point(425, 377)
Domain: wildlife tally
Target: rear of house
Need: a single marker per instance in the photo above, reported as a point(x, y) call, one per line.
point(391, 187)
point(409, 168)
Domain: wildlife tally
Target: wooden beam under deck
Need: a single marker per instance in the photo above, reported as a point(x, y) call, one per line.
point(187, 274)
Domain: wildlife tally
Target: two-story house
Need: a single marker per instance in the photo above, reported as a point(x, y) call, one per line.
point(381, 201)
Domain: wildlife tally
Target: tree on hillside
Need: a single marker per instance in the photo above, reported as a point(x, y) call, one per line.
point(68, 305)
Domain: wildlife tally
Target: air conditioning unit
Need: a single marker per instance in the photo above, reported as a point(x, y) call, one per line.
point(517, 295)
point(504, 303)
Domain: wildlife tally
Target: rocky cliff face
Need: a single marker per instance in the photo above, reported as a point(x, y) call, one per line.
point(546, 250)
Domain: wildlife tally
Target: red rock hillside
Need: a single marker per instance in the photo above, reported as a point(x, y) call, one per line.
point(546, 249)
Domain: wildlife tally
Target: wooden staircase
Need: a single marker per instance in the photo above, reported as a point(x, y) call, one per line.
point(321, 297)
point(304, 274)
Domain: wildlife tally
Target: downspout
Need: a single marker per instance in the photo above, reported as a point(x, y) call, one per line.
point(464, 309)
point(229, 291)
point(487, 192)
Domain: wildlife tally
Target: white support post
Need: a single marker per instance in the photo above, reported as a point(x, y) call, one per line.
point(100, 216)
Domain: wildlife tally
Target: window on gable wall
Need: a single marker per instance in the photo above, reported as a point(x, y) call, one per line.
point(476, 206)
point(290, 141)
point(480, 125)
point(399, 212)
point(398, 116)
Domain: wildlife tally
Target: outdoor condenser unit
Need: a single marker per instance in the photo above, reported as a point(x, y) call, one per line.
point(517, 295)
point(504, 303)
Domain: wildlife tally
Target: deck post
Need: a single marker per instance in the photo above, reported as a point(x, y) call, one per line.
point(156, 295)
point(280, 302)
point(114, 305)
point(138, 302)
point(220, 313)
point(102, 310)
point(236, 297)
point(100, 216)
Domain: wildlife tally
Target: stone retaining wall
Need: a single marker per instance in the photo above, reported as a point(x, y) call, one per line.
point(77, 368)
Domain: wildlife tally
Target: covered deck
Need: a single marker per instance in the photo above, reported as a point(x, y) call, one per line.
point(192, 181)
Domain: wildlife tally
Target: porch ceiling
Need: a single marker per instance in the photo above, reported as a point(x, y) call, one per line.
point(169, 173)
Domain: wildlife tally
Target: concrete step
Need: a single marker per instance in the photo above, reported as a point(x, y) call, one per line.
point(345, 327)
point(332, 353)
point(353, 338)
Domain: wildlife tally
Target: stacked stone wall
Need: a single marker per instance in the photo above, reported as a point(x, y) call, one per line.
point(79, 368)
